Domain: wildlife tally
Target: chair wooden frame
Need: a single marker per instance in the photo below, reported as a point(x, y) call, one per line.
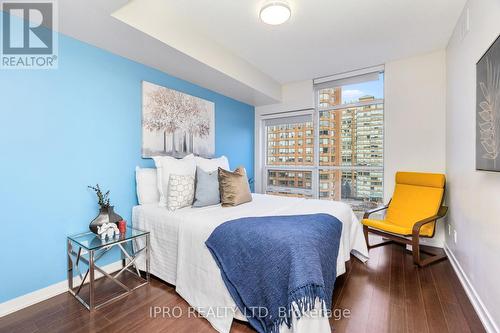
point(415, 236)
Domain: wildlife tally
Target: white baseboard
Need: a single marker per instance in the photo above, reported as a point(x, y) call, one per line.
point(481, 310)
point(40, 295)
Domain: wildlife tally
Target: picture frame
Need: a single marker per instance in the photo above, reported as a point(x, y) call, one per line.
point(488, 109)
point(175, 123)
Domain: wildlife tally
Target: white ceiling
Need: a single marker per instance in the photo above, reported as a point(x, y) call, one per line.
point(223, 46)
point(323, 37)
point(91, 21)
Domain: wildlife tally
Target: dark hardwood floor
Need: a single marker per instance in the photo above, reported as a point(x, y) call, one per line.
point(388, 294)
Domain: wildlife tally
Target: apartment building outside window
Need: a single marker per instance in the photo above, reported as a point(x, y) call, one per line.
point(340, 153)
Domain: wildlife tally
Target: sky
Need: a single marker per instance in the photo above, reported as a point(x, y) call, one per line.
point(351, 93)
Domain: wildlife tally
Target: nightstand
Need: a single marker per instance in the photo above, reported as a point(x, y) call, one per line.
point(86, 249)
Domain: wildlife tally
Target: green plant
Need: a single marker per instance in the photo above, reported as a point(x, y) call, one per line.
point(102, 199)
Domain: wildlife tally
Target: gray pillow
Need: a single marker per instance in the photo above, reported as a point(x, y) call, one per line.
point(207, 188)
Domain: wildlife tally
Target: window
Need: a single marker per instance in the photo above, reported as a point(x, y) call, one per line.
point(289, 171)
point(351, 154)
point(341, 154)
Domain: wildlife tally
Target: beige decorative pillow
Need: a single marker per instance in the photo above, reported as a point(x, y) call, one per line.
point(233, 187)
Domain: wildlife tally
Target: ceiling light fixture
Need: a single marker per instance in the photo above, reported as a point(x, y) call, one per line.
point(275, 12)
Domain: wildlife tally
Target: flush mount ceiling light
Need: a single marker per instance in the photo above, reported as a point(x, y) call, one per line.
point(275, 12)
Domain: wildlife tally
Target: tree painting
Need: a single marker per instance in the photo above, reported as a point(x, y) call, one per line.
point(175, 123)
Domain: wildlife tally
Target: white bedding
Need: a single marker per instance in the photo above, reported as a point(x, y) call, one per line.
point(179, 255)
point(163, 226)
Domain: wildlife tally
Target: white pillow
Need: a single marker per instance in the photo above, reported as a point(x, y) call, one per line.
point(209, 165)
point(146, 185)
point(166, 166)
point(180, 191)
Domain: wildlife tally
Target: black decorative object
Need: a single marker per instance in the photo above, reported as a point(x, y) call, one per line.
point(106, 212)
point(106, 215)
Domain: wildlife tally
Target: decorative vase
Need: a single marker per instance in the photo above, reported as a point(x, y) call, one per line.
point(106, 215)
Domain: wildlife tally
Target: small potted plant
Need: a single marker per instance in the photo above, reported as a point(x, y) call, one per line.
point(106, 211)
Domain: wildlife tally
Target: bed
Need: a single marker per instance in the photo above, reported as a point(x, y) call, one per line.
point(180, 257)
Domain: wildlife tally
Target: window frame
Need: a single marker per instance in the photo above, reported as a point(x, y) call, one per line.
point(266, 168)
point(315, 169)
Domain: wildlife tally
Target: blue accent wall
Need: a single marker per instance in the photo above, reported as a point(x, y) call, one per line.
point(64, 129)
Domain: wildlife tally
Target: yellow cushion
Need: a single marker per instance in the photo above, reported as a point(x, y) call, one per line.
point(421, 179)
point(396, 229)
point(393, 228)
point(416, 196)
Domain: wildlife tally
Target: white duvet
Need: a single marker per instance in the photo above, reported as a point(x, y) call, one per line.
point(192, 269)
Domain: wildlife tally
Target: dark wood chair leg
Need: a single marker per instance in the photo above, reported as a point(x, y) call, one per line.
point(365, 232)
point(417, 260)
point(432, 260)
point(415, 249)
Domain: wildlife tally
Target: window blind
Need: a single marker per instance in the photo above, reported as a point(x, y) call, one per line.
point(363, 75)
point(299, 119)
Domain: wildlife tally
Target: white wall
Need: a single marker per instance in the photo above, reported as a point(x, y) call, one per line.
point(415, 103)
point(474, 196)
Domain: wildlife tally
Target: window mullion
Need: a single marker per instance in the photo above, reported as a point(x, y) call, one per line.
point(315, 186)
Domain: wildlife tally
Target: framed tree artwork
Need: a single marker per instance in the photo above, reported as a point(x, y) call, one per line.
point(176, 124)
point(488, 109)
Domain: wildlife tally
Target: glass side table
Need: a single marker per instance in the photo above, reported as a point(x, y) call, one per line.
point(86, 249)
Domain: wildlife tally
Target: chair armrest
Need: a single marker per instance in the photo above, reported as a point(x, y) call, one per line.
point(441, 213)
point(374, 210)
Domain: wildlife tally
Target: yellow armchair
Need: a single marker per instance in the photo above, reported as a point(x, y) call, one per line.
point(416, 205)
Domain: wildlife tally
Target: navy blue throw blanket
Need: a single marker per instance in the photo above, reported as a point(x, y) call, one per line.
point(269, 263)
